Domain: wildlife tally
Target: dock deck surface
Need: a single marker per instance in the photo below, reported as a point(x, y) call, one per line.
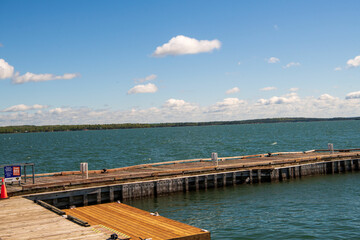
point(74, 179)
point(136, 223)
point(21, 218)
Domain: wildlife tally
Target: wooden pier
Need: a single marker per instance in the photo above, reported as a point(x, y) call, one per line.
point(254, 168)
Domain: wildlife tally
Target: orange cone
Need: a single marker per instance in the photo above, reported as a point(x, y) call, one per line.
point(4, 194)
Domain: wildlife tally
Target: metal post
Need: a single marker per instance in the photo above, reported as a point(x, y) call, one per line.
point(84, 170)
point(214, 157)
point(25, 173)
point(331, 148)
point(33, 172)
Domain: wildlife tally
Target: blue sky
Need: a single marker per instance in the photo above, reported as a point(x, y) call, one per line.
point(77, 62)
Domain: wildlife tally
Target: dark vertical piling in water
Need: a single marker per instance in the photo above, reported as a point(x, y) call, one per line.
point(250, 177)
point(206, 182)
point(259, 175)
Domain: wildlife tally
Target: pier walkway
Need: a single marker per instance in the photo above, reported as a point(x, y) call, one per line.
point(74, 179)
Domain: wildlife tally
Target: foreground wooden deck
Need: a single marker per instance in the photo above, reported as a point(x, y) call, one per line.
point(21, 218)
point(136, 223)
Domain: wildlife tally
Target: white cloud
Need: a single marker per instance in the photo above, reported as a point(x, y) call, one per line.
point(6, 70)
point(337, 69)
point(291, 64)
point(178, 105)
point(239, 63)
point(273, 60)
point(178, 110)
point(59, 110)
point(268, 88)
point(147, 88)
point(181, 45)
point(146, 79)
point(23, 107)
point(174, 103)
point(354, 62)
point(286, 99)
point(353, 95)
point(32, 77)
point(228, 106)
point(233, 90)
point(230, 102)
point(326, 97)
point(294, 89)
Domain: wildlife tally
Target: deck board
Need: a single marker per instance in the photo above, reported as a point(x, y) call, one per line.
point(21, 218)
point(136, 223)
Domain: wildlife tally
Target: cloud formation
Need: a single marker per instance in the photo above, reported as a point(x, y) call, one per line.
point(23, 107)
point(294, 89)
point(179, 110)
point(146, 79)
point(353, 95)
point(326, 97)
point(143, 88)
point(268, 88)
point(6, 70)
point(233, 90)
point(181, 45)
point(291, 64)
point(273, 60)
point(288, 98)
point(32, 77)
point(354, 62)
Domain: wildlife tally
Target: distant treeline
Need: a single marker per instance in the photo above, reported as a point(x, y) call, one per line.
point(61, 128)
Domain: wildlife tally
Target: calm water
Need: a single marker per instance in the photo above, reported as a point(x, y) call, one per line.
point(325, 207)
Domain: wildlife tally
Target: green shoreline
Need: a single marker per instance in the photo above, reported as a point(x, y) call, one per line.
point(84, 127)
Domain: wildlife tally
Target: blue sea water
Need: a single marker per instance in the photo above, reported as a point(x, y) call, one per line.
point(323, 207)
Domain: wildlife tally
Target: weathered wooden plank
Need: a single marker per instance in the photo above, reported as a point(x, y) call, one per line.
point(27, 220)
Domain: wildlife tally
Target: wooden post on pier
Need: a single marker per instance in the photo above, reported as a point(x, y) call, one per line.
point(250, 177)
point(224, 180)
point(206, 182)
point(111, 194)
point(215, 181)
point(85, 200)
point(197, 183)
point(186, 184)
point(259, 175)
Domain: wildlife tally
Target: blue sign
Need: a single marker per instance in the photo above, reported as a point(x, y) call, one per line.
point(12, 171)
